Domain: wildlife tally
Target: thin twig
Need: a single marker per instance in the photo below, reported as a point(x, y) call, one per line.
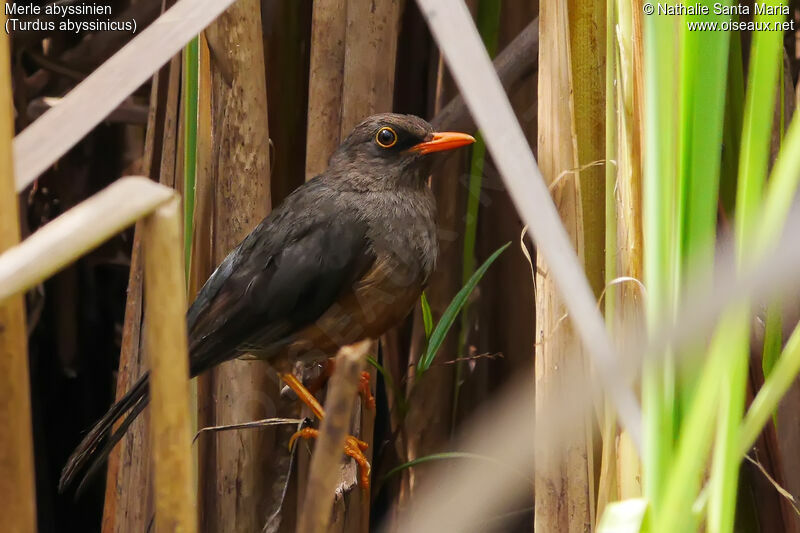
point(783, 492)
point(264, 422)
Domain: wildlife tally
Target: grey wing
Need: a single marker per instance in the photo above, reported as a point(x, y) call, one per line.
point(260, 299)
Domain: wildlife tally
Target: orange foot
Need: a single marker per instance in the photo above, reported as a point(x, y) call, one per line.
point(353, 447)
point(363, 386)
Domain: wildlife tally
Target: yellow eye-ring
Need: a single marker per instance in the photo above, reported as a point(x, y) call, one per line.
point(386, 137)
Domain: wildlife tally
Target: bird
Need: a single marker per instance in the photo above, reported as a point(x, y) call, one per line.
point(343, 258)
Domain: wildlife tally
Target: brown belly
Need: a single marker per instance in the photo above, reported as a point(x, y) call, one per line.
point(375, 304)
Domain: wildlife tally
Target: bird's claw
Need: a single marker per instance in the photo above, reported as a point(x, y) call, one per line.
point(353, 447)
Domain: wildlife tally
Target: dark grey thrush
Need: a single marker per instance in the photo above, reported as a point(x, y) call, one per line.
point(343, 258)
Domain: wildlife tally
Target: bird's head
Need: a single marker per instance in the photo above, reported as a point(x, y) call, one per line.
point(392, 150)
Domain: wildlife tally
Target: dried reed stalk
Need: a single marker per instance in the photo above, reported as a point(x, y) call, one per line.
point(367, 88)
point(326, 78)
point(563, 480)
point(167, 349)
point(587, 28)
point(630, 237)
point(18, 504)
point(327, 458)
point(234, 466)
point(328, 23)
point(128, 474)
point(78, 231)
point(353, 48)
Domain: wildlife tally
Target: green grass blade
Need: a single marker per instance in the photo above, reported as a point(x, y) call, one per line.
point(448, 455)
point(427, 316)
point(659, 213)
point(452, 311)
point(191, 61)
point(732, 129)
point(704, 81)
point(781, 190)
point(765, 61)
point(399, 398)
point(770, 394)
point(773, 338)
point(704, 76)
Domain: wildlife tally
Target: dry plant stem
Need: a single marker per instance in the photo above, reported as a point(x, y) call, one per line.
point(128, 475)
point(326, 76)
point(367, 87)
point(78, 231)
point(235, 466)
point(328, 23)
point(586, 29)
point(368, 83)
point(562, 471)
point(327, 458)
point(167, 350)
point(17, 506)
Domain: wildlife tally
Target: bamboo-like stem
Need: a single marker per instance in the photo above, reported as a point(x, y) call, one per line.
point(17, 506)
point(124, 508)
point(367, 88)
point(562, 477)
point(333, 432)
point(166, 341)
point(328, 23)
point(78, 231)
point(326, 76)
point(234, 466)
point(587, 22)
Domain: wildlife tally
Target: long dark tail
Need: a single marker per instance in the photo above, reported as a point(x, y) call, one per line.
point(90, 456)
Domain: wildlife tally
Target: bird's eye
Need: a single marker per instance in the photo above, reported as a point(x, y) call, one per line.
point(386, 137)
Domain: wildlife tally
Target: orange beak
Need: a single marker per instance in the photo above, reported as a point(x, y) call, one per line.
point(443, 140)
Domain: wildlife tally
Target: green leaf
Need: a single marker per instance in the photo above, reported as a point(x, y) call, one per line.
point(451, 455)
point(452, 311)
point(399, 399)
point(427, 316)
point(773, 340)
point(191, 60)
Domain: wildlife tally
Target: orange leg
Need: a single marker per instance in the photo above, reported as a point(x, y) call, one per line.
point(365, 391)
point(363, 386)
point(353, 447)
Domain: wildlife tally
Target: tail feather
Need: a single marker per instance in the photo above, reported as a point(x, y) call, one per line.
point(88, 456)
